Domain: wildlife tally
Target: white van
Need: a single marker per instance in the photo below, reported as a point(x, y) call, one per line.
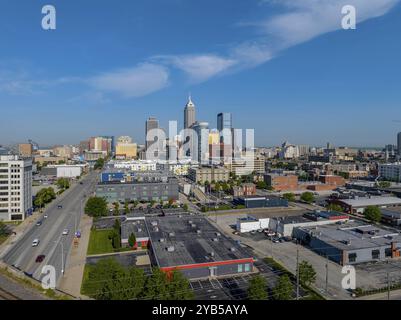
point(35, 243)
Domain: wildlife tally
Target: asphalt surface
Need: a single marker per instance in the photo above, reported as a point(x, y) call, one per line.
point(53, 244)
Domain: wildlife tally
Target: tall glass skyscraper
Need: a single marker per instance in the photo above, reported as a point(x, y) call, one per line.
point(224, 121)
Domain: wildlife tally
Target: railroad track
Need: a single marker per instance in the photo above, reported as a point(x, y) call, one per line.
point(6, 295)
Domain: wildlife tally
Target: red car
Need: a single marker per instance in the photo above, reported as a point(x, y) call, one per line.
point(40, 258)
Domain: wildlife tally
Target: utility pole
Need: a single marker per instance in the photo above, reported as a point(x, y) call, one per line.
point(388, 285)
point(297, 271)
point(327, 273)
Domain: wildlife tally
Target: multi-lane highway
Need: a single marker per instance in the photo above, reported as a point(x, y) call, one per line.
point(53, 244)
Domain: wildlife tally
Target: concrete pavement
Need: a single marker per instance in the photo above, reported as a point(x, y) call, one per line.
point(53, 244)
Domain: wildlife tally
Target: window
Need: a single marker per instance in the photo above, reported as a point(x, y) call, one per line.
point(240, 268)
point(375, 254)
point(352, 257)
point(247, 267)
point(388, 252)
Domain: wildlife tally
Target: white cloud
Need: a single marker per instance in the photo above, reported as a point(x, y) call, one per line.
point(198, 67)
point(133, 82)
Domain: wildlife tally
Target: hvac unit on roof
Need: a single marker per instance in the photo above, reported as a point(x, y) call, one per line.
point(218, 234)
point(232, 249)
point(215, 239)
point(170, 248)
point(212, 254)
point(161, 240)
point(139, 230)
point(198, 231)
point(154, 223)
point(193, 225)
point(171, 234)
point(190, 221)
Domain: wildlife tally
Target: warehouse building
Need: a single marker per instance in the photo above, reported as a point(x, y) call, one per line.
point(350, 242)
point(359, 204)
point(196, 248)
point(260, 202)
point(136, 226)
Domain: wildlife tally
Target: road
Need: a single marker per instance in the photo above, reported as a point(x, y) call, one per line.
point(53, 244)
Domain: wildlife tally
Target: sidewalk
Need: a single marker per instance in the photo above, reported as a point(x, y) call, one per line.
point(72, 279)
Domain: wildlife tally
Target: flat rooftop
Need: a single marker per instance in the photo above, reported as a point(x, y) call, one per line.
point(372, 201)
point(353, 235)
point(193, 241)
point(136, 225)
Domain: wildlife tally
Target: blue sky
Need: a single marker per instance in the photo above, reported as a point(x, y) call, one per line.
point(282, 67)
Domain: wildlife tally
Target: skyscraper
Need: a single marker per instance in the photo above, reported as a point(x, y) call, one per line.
point(399, 144)
point(224, 121)
point(189, 114)
point(151, 123)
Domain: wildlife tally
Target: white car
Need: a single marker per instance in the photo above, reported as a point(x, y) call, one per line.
point(45, 216)
point(35, 243)
point(65, 232)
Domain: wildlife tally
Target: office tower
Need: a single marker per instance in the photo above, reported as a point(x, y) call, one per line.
point(25, 149)
point(224, 121)
point(202, 131)
point(189, 114)
point(151, 123)
point(399, 144)
point(15, 187)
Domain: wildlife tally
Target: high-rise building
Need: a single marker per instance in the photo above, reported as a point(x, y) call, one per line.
point(151, 123)
point(25, 149)
point(202, 131)
point(15, 187)
point(399, 144)
point(224, 121)
point(189, 114)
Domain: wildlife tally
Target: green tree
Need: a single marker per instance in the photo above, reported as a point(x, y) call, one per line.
point(373, 213)
point(115, 238)
point(4, 231)
point(132, 240)
point(307, 274)
point(156, 286)
point(289, 196)
point(126, 207)
point(185, 207)
point(283, 289)
point(307, 197)
point(63, 183)
point(96, 207)
point(116, 210)
point(261, 185)
point(178, 287)
point(384, 184)
point(257, 288)
point(99, 164)
point(334, 207)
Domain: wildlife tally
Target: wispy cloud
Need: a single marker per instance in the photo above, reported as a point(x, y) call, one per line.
point(133, 82)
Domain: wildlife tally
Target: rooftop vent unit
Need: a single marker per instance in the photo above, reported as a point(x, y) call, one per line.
point(198, 231)
point(232, 249)
point(156, 229)
point(193, 225)
point(161, 240)
point(212, 254)
point(190, 221)
point(170, 249)
point(347, 242)
point(171, 234)
point(154, 223)
point(139, 230)
point(218, 234)
point(215, 239)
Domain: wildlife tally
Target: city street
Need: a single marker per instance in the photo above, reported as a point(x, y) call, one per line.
point(53, 244)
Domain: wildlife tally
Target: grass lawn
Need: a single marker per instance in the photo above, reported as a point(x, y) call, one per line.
point(99, 242)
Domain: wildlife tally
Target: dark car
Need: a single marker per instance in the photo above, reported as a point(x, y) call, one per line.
point(40, 258)
point(59, 206)
point(81, 182)
point(39, 223)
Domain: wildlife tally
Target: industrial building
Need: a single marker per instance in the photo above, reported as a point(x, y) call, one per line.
point(15, 187)
point(137, 226)
point(260, 201)
point(350, 242)
point(64, 170)
point(196, 248)
point(121, 187)
point(359, 204)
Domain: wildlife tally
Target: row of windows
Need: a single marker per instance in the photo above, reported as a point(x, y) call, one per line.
point(244, 268)
point(375, 254)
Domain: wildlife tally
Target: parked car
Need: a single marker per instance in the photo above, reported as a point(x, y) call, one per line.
point(78, 234)
point(65, 232)
point(59, 206)
point(35, 243)
point(39, 223)
point(276, 240)
point(40, 258)
point(45, 216)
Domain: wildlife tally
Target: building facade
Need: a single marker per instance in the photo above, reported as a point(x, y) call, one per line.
point(189, 114)
point(15, 188)
point(390, 171)
point(209, 173)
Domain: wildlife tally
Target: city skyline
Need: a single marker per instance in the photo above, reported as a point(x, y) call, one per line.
point(116, 75)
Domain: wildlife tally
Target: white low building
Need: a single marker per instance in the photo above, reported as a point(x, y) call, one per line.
point(70, 171)
point(251, 223)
